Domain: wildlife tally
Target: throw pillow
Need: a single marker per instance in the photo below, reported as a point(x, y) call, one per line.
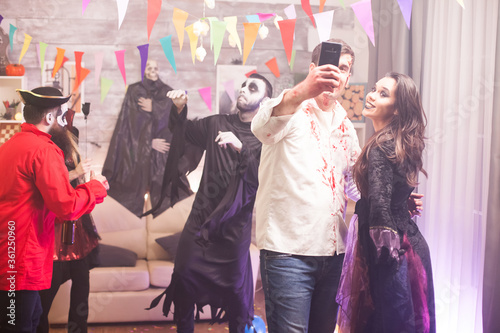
point(169, 244)
point(114, 256)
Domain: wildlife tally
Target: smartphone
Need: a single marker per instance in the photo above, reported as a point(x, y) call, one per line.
point(330, 53)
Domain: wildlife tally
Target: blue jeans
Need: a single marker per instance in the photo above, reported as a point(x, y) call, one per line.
point(300, 291)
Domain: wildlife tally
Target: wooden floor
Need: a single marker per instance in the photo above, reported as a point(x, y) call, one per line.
point(157, 327)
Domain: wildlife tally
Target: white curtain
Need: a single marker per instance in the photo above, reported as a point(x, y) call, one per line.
point(450, 52)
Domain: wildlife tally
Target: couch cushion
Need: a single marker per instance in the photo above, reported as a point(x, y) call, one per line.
point(120, 278)
point(160, 272)
point(169, 244)
point(114, 256)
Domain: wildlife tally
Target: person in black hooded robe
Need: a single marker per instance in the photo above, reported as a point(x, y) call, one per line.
point(212, 265)
point(140, 144)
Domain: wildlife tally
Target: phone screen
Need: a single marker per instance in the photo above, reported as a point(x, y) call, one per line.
point(330, 53)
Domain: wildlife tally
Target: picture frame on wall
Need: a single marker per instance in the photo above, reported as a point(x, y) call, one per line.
point(229, 80)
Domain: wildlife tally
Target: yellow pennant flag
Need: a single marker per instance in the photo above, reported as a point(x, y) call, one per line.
point(27, 42)
point(461, 2)
point(193, 40)
point(231, 28)
point(179, 18)
point(251, 32)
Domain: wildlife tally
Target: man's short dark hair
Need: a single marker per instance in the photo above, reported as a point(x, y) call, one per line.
point(34, 114)
point(269, 87)
point(346, 49)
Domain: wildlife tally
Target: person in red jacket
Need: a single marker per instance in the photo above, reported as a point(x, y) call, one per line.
point(34, 190)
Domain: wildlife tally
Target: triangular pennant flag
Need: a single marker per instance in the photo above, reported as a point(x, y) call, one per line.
point(233, 31)
point(78, 67)
point(461, 3)
point(265, 16)
point(43, 48)
point(292, 62)
point(206, 94)
point(154, 8)
point(251, 32)
point(287, 28)
point(85, 3)
point(193, 39)
point(120, 59)
point(122, 9)
point(342, 3)
point(290, 12)
point(324, 24)
point(253, 71)
point(166, 44)
point(321, 5)
point(253, 18)
point(83, 75)
point(1, 19)
point(105, 86)
point(273, 66)
point(306, 6)
point(210, 20)
point(179, 18)
point(229, 88)
point(98, 58)
point(363, 11)
point(405, 6)
point(12, 29)
point(143, 51)
point(59, 61)
point(26, 45)
point(218, 29)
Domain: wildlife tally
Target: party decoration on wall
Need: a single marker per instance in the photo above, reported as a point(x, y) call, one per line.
point(12, 29)
point(78, 66)
point(98, 58)
point(265, 16)
point(218, 30)
point(251, 32)
point(154, 8)
point(253, 18)
point(200, 53)
point(290, 14)
point(26, 45)
point(254, 71)
point(179, 19)
point(210, 3)
point(143, 51)
point(233, 32)
point(273, 66)
point(363, 12)
point(287, 29)
point(210, 20)
point(229, 89)
point(306, 6)
point(276, 20)
point(342, 3)
point(321, 5)
point(193, 40)
point(292, 62)
point(105, 86)
point(59, 61)
point(324, 23)
point(42, 47)
point(85, 3)
point(263, 32)
point(122, 9)
point(120, 59)
point(166, 44)
point(461, 3)
point(83, 75)
point(405, 6)
point(206, 94)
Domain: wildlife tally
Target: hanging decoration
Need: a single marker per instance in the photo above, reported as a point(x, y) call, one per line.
point(306, 6)
point(166, 44)
point(154, 8)
point(193, 40)
point(273, 66)
point(85, 3)
point(218, 30)
point(179, 19)
point(287, 28)
point(78, 65)
point(122, 9)
point(120, 59)
point(251, 31)
point(363, 12)
point(105, 86)
point(26, 45)
point(59, 61)
point(405, 6)
point(143, 51)
point(233, 32)
point(206, 94)
point(42, 49)
point(324, 23)
point(12, 29)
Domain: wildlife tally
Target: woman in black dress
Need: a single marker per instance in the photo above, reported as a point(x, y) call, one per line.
point(387, 279)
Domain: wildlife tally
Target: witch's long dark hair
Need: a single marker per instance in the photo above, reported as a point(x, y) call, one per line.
point(406, 129)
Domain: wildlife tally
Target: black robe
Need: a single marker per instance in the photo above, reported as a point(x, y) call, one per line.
point(132, 167)
point(213, 264)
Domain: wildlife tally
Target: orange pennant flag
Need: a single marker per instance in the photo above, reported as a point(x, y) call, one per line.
point(251, 32)
point(83, 74)
point(287, 29)
point(78, 65)
point(273, 66)
point(154, 8)
point(321, 5)
point(59, 61)
point(179, 18)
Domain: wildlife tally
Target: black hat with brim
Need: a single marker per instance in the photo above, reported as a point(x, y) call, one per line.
point(45, 97)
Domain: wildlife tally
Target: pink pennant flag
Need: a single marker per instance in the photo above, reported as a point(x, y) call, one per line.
point(154, 8)
point(206, 94)
point(98, 58)
point(363, 11)
point(85, 3)
point(229, 88)
point(306, 6)
point(405, 6)
point(120, 59)
point(287, 28)
point(265, 16)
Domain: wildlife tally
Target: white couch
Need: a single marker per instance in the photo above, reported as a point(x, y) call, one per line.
point(121, 294)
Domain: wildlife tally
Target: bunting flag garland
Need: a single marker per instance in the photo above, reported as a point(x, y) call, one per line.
point(287, 29)
point(12, 29)
point(120, 59)
point(253, 71)
point(122, 9)
point(83, 75)
point(461, 3)
point(324, 23)
point(154, 8)
point(273, 66)
point(363, 12)
point(78, 66)
point(193, 40)
point(143, 51)
point(105, 86)
point(179, 19)
point(342, 3)
point(251, 32)
point(206, 94)
point(405, 6)
point(233, 31)
point(26, 45)
point(166, 44)
point(292, 62)
point(42, 49)
point(265, 16)
point(229, 88)
point(253, 18)
point(98, 58)
point(306, 6)
point(210, 20)
point(218, 29)
point(59, 61)
point(85, 3)
point(290, 12)
point(321, 5)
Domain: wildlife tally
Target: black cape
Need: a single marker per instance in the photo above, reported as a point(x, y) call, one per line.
point(213, 264)
point(132, 167)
